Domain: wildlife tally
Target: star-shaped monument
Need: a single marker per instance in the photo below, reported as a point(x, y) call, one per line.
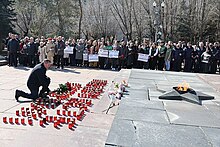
point(190, 95)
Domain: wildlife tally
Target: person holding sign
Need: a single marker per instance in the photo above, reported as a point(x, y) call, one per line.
point(116, 50)
point(103, 54)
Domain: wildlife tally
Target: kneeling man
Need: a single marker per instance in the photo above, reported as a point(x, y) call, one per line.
point(37, 79)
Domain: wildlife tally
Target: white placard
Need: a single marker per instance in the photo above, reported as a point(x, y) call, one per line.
point(85, 57)
point(68, 50)
point(113, 54)
point(143, 57)
point(103, 53)
point(93, 58)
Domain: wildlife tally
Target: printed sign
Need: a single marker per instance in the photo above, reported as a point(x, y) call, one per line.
point(143, 57)
point(68, 50)
point(113, 54)
point(85, 57)
point(103, 53)
point(93, 58)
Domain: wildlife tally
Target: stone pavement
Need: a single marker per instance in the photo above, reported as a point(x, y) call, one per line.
point(144, 120)
point(92, 131)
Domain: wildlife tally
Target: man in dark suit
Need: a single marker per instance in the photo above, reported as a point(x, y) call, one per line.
point(37, 79)
point(13, 48)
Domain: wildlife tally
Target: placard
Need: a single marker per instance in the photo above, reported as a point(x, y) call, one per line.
point(103, 53)
point(85, 57)
point(93, 58)
point(68, 50)
point(113, 54)
point(143, 57)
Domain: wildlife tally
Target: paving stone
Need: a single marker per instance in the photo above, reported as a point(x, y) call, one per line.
point(121, 134)
point(191, 114)
point(141, 114)
point(213, 135)
point(142, 103)
point(160, 135)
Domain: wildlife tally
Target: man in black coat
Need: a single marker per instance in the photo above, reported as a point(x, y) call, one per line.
point(13, 48)
point(32, 52)
point(37, 79)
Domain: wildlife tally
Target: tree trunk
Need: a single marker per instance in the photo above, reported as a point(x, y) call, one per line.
point(80, 18)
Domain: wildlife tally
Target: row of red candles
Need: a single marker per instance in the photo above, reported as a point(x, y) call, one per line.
point(54, 119)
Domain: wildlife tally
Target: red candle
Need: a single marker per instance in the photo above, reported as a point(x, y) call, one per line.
point(64, 112)
point(73, 120)
point(47, 118)
point(74, 113)
point(34, 116)
point(68, 120)
point(70, 125)
point(78, 117)
point(55, 124)
point(45, 112)
point(63, 120)
point(54, 118)
point(30, 122)
point(78, 94)
point(16, 120)
point(51, 118)
point(58, 112)
point(11, 120)
point(69, 113)
point(22, 108)
point(23, 113)
point(5, 119)
point(17, 112)
point(22, 121)
point(41, 123)
point(58, 121)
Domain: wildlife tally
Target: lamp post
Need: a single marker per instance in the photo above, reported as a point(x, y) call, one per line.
point(158, 19)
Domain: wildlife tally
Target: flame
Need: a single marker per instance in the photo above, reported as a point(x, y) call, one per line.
point(183, 86)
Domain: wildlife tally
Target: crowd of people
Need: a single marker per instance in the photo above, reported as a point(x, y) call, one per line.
point(180, 56)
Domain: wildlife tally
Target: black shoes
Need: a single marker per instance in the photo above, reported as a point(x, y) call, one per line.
point(17, 95)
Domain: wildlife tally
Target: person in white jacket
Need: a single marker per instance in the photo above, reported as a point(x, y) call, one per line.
point(42, 52)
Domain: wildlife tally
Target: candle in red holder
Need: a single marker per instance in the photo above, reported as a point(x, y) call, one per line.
point(51, 118)
point(58, 121)
point(63, 120)
point(64, 112)
point(45, 112)
point(23, 113)
point(5, 119)
point(58, 112)
point(11, 120)
point(16, 120)
point(78, 117)
point(78, 94)
point(74, 113)
point(47, 118)
point(22, 108)
point(41, 123)
point(34, 116)
point(74, 120)
point(22, 121)
point(55, 124)
point(17, 112)
point(30, 122)
point(70, 125)
point(67, 120)
point(69, 113)
point(54, 118)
